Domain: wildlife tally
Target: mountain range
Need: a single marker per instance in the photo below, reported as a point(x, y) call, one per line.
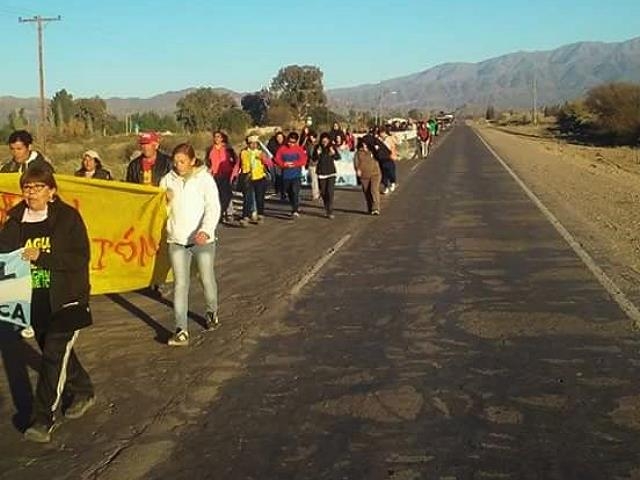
point(507, 81)
point(504, 82)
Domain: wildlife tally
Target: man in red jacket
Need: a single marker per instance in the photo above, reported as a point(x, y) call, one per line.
point(291, 157)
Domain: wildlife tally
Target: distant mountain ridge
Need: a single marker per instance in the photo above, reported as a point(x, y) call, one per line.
point(505, 82)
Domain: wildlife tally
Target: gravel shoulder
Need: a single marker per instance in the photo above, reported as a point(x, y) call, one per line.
point(593, 191)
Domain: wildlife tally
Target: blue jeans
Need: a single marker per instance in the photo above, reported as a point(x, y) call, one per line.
point(180, 257)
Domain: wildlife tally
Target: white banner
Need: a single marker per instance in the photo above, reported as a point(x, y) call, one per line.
point(15, 289)
point(344, 168)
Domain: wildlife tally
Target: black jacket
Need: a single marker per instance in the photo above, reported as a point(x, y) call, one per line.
point(325, 160)
point(273, 145)
point(68, 261)
point(100, 173)
point(162, 166)
point(378, 148)
point(14, 167)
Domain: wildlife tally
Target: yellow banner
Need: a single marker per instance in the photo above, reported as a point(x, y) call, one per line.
point(125, 222)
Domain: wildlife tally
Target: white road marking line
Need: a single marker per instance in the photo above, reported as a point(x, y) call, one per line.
point(319, 264)
point(609, 285)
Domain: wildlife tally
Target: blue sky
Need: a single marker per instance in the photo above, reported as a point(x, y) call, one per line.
point(145, 47)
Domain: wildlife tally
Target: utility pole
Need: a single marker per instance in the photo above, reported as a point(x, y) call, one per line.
point(535, 99)
point(43, 107)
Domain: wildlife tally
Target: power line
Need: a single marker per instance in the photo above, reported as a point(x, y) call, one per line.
point(38, 20)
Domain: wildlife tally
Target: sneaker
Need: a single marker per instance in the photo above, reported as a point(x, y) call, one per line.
point(27, 332)
point(179, 339)
point(385, 191)
point(254, 217)
point(330, 216)
point(211, 321)
point(260, 219)
point(393, 187)
point(39, 433)
point(79, 407)
point(244, 222)
point(295, 214)
point(375, 212)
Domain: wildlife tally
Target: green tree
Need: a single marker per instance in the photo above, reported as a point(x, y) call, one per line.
point(323, 118)
point(617, 110)
point(93, 112)
point(18, 119)
point(280, 114)
point(300, 87)
point(490, 114)
point(63, 109)
point(234, 120)
point(574, 118)
point(256, 105)
point(148, 121)
point(200, 110)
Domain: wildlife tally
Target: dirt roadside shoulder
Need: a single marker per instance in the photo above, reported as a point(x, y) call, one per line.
point(146, 390)
point(596, 200)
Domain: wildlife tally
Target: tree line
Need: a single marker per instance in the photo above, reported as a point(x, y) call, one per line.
point(608, 114)
point(295, 93)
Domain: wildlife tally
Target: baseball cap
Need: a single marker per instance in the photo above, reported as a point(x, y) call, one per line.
point(148, 137)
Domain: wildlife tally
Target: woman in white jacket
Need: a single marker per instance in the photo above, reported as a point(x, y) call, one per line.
point(193, 213)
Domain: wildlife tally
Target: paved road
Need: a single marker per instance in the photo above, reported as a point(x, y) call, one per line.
point(456, 337)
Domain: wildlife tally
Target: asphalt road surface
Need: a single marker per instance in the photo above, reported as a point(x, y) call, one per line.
point(455, 337)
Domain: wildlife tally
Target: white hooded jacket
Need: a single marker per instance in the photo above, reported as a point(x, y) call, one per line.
point(193, 206)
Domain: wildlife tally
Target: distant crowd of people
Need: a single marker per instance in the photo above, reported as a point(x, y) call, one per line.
point(199, 195)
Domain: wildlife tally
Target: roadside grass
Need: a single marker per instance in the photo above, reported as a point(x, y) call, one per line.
point(624, 158)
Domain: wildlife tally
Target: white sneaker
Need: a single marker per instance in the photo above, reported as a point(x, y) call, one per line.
point(385, 191)
point(393, 187)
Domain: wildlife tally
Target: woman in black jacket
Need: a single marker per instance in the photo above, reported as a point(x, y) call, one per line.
point(54, 240)
point(324, 157)
point(91, 167)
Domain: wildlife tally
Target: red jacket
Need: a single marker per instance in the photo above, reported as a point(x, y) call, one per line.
point(291, 158)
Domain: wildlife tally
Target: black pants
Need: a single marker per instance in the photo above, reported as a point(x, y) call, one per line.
point(388, 168)
point(61, 374)
point(327, 189)
point(225, 193)
point(278, 184)
point(291, 186)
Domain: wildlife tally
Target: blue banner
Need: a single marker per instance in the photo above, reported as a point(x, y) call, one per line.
point(15, 289)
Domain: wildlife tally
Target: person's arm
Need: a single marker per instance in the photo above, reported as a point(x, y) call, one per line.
point(266, 161)
point(212, 212)
point(356, 164)
point(72, 251)
point(302, 158)
point(132, 176)
point(278, 158)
